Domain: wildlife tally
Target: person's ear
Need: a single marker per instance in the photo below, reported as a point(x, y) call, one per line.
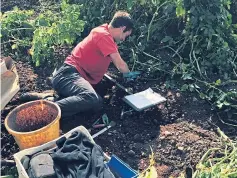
point(123, 28)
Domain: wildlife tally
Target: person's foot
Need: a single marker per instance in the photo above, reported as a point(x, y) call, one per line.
point(31, 96)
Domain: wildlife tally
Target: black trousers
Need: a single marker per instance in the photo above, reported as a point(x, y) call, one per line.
point(77, 94)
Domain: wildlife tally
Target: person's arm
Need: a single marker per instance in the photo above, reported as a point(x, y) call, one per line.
point(119, 63)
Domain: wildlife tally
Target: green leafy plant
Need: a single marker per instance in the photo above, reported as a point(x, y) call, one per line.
point(219, 162)
point(26, 32)
point(16, 31)
point(63, 30)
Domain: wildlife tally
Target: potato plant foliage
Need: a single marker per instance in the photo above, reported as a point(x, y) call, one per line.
point(38, 34)
point(192, 40)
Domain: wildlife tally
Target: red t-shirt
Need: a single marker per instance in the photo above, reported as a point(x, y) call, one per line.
point(91, 56)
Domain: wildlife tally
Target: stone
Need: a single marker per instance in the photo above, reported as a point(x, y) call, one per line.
point(42, 166)
point(137, 137)
point(131, 153)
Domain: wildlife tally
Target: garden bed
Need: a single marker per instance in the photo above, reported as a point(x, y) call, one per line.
point(179, 132)
point(178, 54)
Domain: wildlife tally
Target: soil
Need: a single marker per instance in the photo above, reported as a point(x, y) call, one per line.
point(179, 131)
point(34, 117)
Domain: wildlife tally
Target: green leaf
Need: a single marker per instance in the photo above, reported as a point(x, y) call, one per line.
point(14, 46)
point(184, 87)
point(129, 4)
point(202, 95)
point(151, 173)
point(43, 22)
point(226, 103)
point(27, 25)
point(191, 87)
point(220, 105)
point(196, 86)
point(187, 77)
point(180, 11)
point(142, 2)
point(218, 82)
point(166, 39)
point(37, 63)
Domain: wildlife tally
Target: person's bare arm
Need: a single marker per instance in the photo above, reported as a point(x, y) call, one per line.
point(119, 63)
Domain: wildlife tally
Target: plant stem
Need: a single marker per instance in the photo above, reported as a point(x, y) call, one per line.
point(209, 85)
point(190, 53)
point(134, 59)
point(151, 56)
point(153, 67)
point(228, 81)
point(204, 157)
point(173, 51)
point(200, 73)
point(179, 48)
point(16, 29)
point(153, 17)
point(233, 174)
point(235, 72)
point(9, 41)
point(231, 154)
point(225, 122)
point(147, 54)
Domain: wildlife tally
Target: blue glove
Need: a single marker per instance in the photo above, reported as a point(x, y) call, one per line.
point(131, 75)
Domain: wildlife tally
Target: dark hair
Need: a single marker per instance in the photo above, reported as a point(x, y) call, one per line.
point(122, 18)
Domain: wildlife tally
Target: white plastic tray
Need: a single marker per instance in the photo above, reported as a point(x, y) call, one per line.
point(143, 100)
point(47, 146)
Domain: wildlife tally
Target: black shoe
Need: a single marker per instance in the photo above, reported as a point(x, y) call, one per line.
point(31, 96)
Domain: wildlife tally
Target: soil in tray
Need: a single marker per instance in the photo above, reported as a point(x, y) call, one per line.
point(35, 117)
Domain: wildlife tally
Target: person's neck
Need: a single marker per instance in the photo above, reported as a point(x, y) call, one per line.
point(111, 30)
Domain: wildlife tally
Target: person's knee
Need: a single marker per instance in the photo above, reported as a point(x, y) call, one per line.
point(97, 101)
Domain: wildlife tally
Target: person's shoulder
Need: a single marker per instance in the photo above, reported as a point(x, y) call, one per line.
point(101, 30)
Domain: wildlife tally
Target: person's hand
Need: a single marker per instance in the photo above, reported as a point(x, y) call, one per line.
point(131, 75)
